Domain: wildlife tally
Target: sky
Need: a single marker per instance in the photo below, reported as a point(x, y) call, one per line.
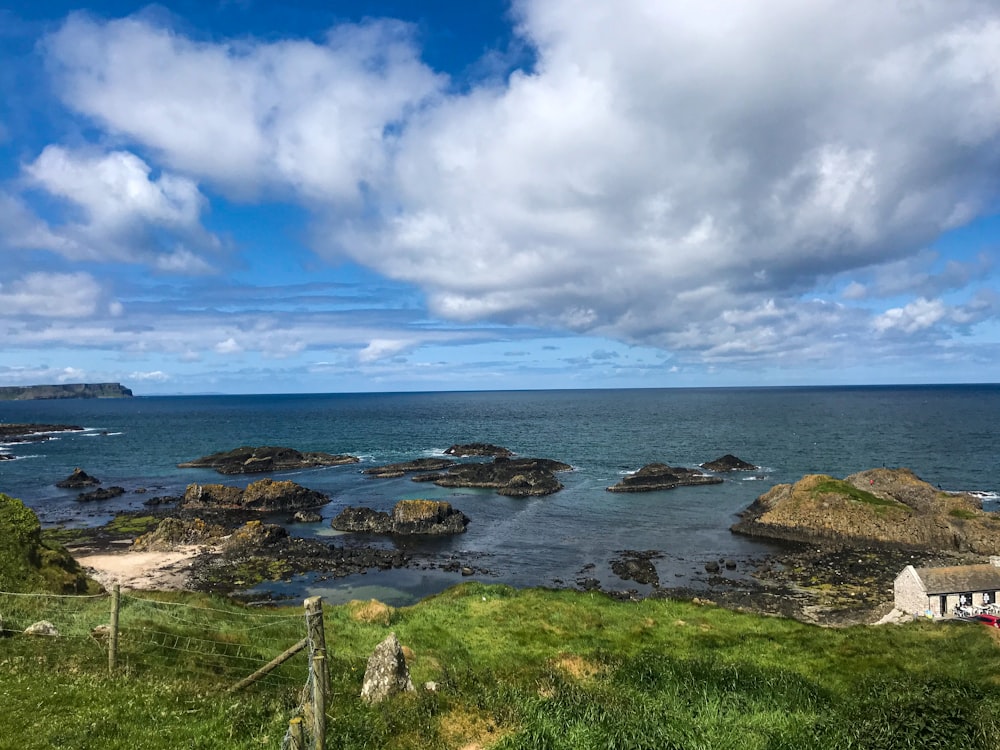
point(240, 196)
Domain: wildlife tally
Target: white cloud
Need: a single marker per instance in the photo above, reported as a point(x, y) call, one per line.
point(50, 295)
point(677, 174)
point(154, 376)
point(229, 346)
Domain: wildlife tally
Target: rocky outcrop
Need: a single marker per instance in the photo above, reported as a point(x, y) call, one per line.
point(891, 507)
point(101, 493)
point(637, 566)
point(408, 517)
point(248, 460)
point(514, 477)
point(172, 532)
point(728, 462)
point(391, 471)
point(386, 673)
point(657, 476)
point(264, 495)
point(69, 390)
point(78, 480)
point(32, 433)
point(479, 449)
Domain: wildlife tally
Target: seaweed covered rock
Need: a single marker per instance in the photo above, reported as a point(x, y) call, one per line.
point(27, 563)
point(891, 507)
point(408, 517)
point(264, 495)
point(514, 477)
point(250, 460)
point(479, 449)
point(728, 462)
point(657, 476)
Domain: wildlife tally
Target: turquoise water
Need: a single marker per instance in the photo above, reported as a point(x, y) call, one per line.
point(948, 435)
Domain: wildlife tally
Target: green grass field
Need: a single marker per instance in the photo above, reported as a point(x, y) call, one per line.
point(514, 669)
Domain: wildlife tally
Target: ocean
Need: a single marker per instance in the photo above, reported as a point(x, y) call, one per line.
point(948, 435)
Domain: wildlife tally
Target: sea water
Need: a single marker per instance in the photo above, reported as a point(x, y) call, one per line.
point(948, 435)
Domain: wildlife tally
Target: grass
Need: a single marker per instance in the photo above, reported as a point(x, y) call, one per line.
point(831, 486)
point(963, 513)
point(514, 669)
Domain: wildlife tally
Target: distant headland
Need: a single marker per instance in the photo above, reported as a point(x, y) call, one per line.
point(68, 390)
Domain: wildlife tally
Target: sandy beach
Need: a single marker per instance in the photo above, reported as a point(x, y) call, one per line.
point(140, 570)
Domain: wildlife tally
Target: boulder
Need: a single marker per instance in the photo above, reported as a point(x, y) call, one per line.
point(264, 495)
point(42, 627)
point(637, 566)
point(386, 673)
point(479, 449)
point(78, 480)
point(306, 516)
point(657, 476)
point(728, 462)
point(172, 532)
point(250, 460)
point(363, 520)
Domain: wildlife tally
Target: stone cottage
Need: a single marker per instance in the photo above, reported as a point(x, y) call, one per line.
point(940, 590)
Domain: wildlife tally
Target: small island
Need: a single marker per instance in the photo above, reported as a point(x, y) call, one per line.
point(67, 390)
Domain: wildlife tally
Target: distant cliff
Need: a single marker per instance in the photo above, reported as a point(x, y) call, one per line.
point(70, 390)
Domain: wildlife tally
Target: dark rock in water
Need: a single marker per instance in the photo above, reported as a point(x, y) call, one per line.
point(161, 500)
point(712, 566)
point(32, 433)
point(514, 477)
point(102, 493)
point(657, 476)
point(409, 517)
point(6, 457)
point(730, 565)
point(248, 460)
point(479, 449)
point(729, 462)
point(637, 566)
point(77, 480)
point(264, 495)
point(306, 516)
point(390, 471)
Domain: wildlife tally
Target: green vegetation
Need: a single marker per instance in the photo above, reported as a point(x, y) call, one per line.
point(963, 513)
point(29, 563)
point(831, 486)
point(514, 669)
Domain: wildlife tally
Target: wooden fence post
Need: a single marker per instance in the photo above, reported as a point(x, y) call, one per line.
point(116, 592)
point(296, 740)
point(317, 668)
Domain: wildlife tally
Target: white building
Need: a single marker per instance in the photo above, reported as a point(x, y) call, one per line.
point(940, 590)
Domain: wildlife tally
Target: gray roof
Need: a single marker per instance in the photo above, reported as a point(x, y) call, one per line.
point(960, 578)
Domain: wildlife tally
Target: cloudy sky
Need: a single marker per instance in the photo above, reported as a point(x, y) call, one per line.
point(244, 196)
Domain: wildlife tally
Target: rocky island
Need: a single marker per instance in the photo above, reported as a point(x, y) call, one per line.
point(513, 477)
point(657, 476)
point(890, 507)
point(432, 517)
point(264, 496)
point(68, 390)
point(249, 460)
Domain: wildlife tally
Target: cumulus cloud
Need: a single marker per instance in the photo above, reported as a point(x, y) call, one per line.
point(118, 209)
point(50, 295)
point(681, 175)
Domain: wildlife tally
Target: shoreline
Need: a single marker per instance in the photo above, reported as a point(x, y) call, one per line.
point(140, 570)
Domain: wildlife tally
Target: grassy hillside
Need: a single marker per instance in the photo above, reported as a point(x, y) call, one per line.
point(514, 669)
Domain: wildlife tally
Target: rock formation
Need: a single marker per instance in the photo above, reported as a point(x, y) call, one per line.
point(391, 471)
point(515, 477)
point(264, 495)
point(78, 480)
point(479, 449)
point(386, 673)
point(890, 507)
point(248, 460)
point(32, 433)
point(101, 493)
point(657, 476)
point(728, 462)
point(408, 517)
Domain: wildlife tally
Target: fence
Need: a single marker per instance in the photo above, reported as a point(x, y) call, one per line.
point(229, 646)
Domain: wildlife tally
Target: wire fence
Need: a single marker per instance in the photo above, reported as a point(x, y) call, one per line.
point(229, 647)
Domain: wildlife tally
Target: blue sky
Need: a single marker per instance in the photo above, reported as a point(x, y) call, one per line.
point(241, 196)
